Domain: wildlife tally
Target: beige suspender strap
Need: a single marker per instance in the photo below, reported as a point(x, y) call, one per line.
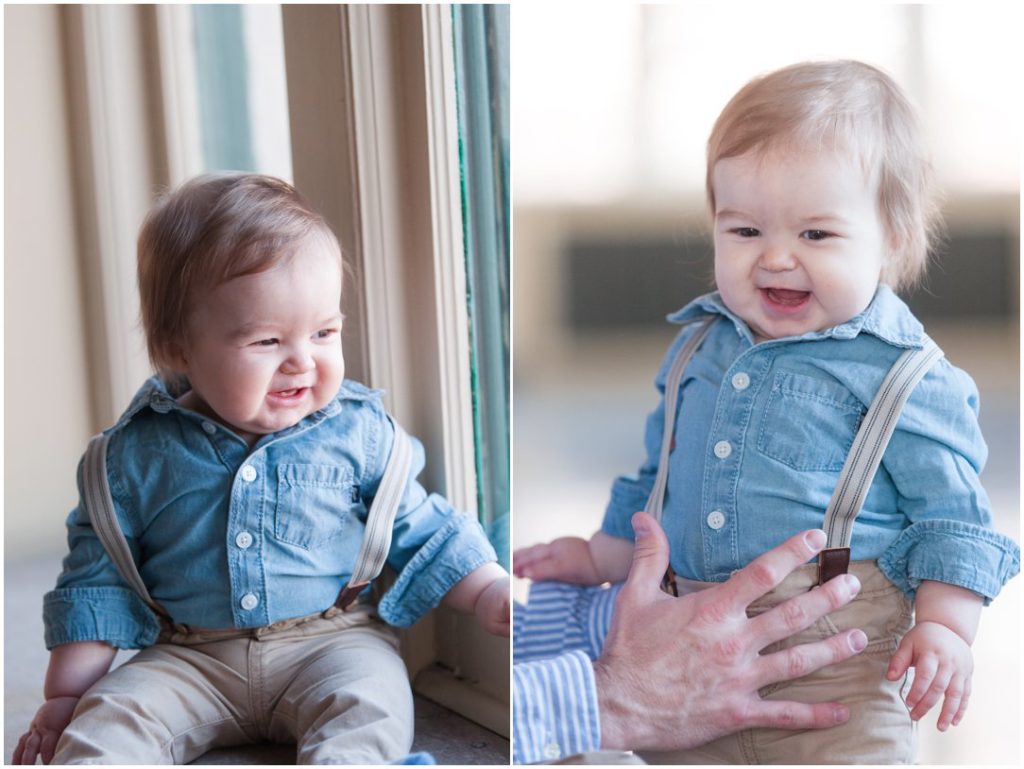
point(673, 380)
point(100, 508)
point(380, 520)
point(866, 453)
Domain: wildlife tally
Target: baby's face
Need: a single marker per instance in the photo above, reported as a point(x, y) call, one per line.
point(799, 245)
point(264, 350)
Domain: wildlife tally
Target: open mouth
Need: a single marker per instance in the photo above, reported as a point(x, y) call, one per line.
point(289, 395)
point(785, 298)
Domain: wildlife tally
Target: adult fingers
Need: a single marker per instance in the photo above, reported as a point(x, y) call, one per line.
point(781, 714)
point(650, 560)
point(798, 661)
point(804, 610)
point(925, 668)
point(766, 571)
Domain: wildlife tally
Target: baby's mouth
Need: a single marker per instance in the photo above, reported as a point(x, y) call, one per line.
point(289, 394)
point(787, 297)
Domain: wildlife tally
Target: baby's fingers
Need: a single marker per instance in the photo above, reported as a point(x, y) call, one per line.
point(954, 698)
point(27, 750)
point(900, 661)
point(963, 703)
point(925, 668)
point(524, 559)
point(934, 693)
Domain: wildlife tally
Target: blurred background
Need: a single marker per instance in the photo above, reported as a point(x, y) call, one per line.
point(611, 109)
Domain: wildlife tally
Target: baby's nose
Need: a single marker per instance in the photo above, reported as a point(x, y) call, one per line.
point(776, 257)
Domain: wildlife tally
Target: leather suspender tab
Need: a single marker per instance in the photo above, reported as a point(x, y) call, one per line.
point(832, 562)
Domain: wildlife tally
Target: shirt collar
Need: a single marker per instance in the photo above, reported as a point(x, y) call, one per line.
point(886, 317)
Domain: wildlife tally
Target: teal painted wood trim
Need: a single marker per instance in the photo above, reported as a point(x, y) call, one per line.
point(481, 37)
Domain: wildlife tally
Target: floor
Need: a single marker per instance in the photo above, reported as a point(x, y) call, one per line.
point(584, 414)
point(450, 738)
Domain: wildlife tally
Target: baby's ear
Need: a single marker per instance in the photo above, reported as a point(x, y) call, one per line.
point(174, 357)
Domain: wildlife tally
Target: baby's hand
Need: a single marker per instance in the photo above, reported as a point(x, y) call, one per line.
point(566, 559)
point(49, 724)
point(492, 608)
point(942, 663)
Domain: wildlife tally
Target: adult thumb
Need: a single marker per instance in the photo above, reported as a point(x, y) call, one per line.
point(650, 555)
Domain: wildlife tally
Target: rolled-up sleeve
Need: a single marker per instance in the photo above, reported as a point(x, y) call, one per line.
point(935, 458)
point(433, 546)
point(91, 601)
point(554, 708)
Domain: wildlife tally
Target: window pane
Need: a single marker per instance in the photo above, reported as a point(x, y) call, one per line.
point(240, 88)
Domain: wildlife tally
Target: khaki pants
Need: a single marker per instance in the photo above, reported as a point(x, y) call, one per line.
point(333, 683)
point(879, 730)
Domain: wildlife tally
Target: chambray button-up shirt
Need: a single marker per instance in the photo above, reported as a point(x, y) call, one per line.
point(763, 430)
point(228, 537)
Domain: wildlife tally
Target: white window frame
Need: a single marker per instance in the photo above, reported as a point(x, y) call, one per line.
point(375, 143)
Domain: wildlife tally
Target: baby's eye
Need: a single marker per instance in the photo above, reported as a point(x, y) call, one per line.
point(745, 232)
point(265, 342)
point(326, 333)
point(815, 234)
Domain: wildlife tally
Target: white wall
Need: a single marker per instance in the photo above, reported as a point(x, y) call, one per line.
point(47, 418)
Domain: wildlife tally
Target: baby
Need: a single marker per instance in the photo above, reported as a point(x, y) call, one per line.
point(241, 478)
point(821, 205)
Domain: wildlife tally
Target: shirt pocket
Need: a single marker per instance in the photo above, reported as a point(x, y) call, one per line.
point(314, 503)
point(808, 423)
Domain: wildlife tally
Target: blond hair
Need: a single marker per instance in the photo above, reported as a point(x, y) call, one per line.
point(844, 106)
point(209, 230)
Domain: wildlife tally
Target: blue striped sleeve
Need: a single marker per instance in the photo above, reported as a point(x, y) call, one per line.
point(559, 618)
point(554, 708)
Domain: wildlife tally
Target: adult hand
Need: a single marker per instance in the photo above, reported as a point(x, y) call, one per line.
point(679, 672)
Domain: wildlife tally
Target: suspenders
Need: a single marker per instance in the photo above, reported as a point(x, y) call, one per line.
point(861, 463)
point(372, 551)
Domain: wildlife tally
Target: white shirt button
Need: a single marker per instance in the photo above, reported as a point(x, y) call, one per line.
point(723, 449)
point(551, 751)
point(249, 473)
point(741, 380)
point(249, 602)
point(210, 428)
point(244, 539)
point(716, 519)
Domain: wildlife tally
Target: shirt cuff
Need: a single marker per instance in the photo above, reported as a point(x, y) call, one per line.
point(954, 552)
point(115, 615)
point(454, 550)
point(554, 709)
point(559, 617)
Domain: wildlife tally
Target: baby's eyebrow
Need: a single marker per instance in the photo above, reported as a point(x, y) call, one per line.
point(249, 329)
point(730, 212)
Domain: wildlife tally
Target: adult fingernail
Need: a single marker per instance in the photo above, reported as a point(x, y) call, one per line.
point(858, 641)
point(842, 714)
point(852, 584)
point(640, 525)
point(815, 539)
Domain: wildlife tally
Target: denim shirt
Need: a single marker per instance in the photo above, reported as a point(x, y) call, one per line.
point(222, 546)
point(762, 433)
